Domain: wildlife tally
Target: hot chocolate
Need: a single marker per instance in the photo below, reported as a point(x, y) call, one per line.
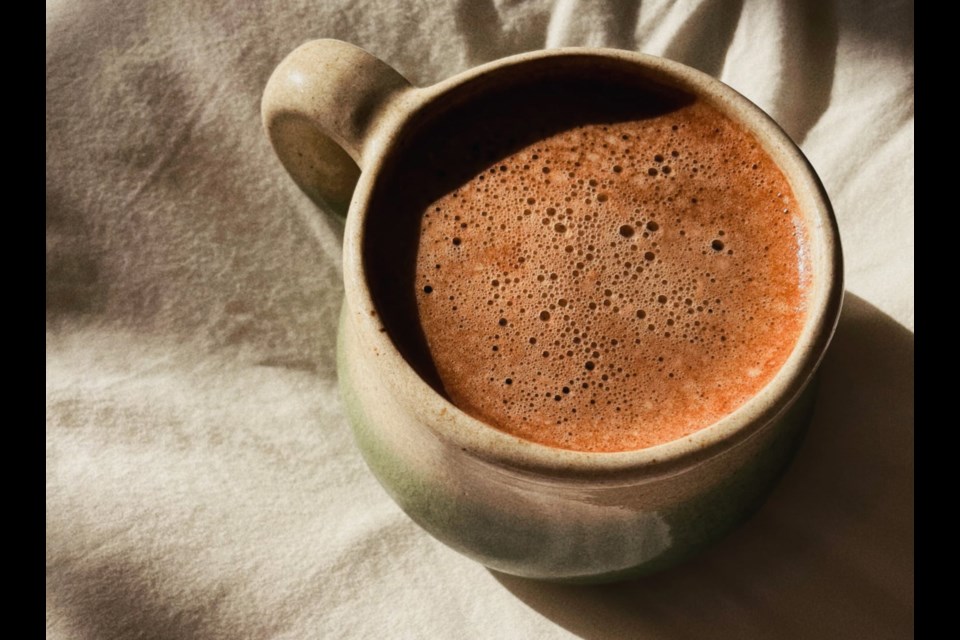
point(589, 265)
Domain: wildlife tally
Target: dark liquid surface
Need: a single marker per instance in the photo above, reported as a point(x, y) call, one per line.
point(589, 267)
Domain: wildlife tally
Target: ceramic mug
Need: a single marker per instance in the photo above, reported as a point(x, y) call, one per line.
point(335, 115)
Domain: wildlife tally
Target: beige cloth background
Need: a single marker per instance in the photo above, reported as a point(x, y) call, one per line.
point(201, 481)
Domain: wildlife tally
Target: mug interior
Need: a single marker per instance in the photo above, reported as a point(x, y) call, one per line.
point(380, 247)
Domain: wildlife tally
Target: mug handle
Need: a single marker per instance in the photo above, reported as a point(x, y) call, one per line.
point(320, 110)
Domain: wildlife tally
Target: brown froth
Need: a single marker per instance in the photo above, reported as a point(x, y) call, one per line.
point(625, 277)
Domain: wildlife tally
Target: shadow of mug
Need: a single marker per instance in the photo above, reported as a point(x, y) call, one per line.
point(830, 555)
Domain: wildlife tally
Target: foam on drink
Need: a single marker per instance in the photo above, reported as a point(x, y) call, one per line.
point(609, 285)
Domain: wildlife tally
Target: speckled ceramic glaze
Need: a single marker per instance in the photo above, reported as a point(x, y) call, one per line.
point(517, 506)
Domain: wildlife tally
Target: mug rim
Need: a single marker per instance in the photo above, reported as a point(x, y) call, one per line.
point(507, 451)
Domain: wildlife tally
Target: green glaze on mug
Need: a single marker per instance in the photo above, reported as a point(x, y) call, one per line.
point(519, 507)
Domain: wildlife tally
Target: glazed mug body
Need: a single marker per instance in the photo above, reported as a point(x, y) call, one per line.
point(337, 117)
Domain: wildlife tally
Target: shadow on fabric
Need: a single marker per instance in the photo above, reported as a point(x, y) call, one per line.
point(829, 555)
